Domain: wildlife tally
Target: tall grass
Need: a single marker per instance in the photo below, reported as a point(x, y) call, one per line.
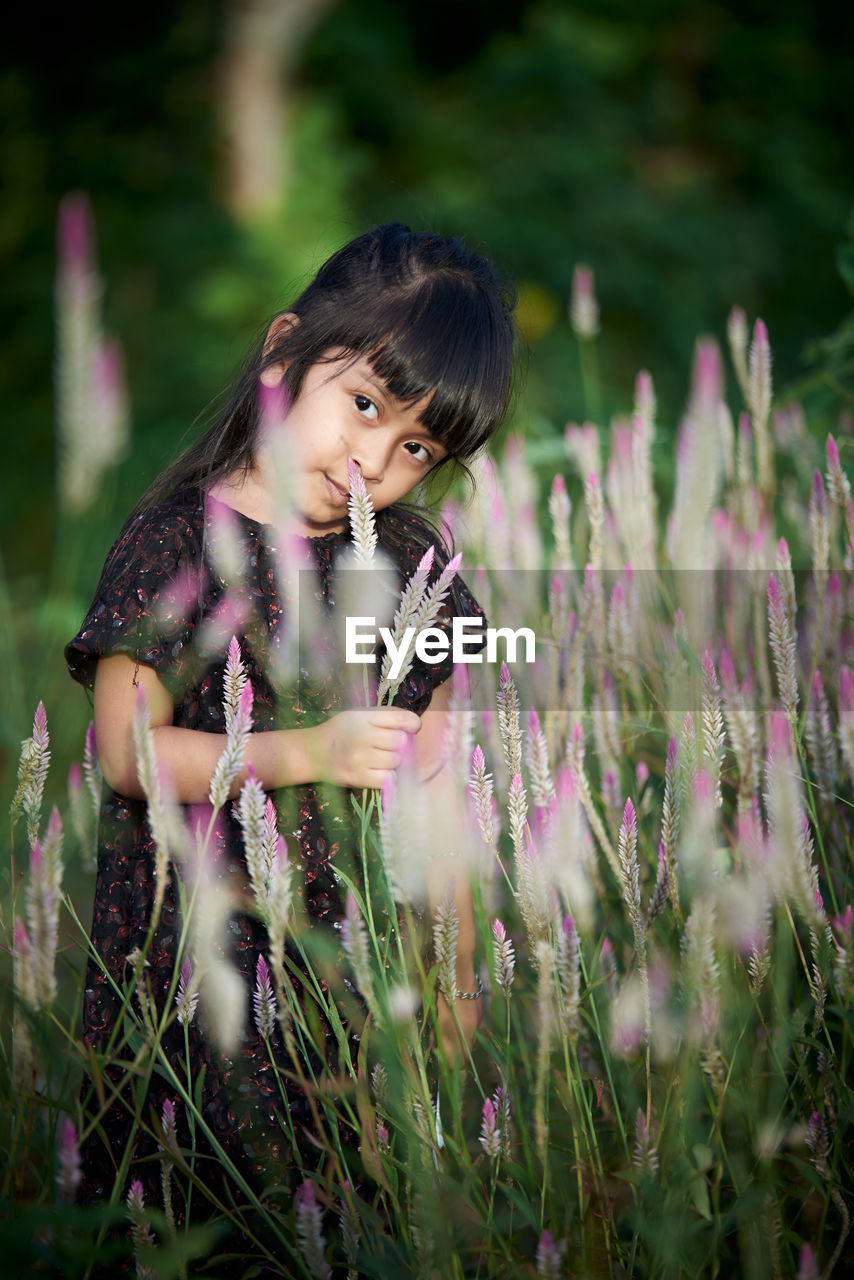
point(657, 824)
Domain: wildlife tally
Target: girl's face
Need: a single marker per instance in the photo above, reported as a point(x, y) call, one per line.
point(344, 411)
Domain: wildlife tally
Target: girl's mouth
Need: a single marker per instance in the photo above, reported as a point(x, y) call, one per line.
point(340, 497)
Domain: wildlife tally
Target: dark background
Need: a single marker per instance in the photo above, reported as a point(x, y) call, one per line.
point(695, 155)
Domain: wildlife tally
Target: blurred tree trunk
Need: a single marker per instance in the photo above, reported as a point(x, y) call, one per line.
point(262, 43)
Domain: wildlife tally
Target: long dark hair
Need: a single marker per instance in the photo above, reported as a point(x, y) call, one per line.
point(429, 315)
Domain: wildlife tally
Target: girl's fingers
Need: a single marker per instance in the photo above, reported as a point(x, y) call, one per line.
point(397, 718)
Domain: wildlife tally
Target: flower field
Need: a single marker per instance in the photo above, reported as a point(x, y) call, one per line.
point(657, 819)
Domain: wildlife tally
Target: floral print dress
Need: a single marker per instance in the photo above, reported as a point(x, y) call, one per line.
point(172, 593)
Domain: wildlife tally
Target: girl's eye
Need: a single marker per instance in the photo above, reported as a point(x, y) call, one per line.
point(366, 407)
point(418, 451)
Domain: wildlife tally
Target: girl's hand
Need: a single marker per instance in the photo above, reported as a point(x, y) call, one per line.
point(358, 748)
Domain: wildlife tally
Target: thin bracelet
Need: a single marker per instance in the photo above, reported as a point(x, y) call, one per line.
point(471, 995)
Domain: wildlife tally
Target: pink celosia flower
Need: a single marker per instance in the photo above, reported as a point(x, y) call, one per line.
point(807, 1265)
point(782, 642)
point(713, 724)
point(24, 972)
point(504, 957)
point(819, 533)
point(843, 923)
point(141, 1233)
point(549, 1256)
point(736, 331)
point(670, 819)
point(569, 975)
point(817, 1142)
point(263, 1000)
point(490, 1133)
point(32, 773)
point(234, 682)
point(75, 234)
point(230, 762)
point(760, 374)
point(644, 405)
point(445, 934)
point(542, 787)
point(629, 865)
point(508, 721)
point(701, 974)
point(68, 1161)
point(611, 791)
point(501, 1103)
point(838, 485)
point(517, 808)
point(707, 379)
point(309, 1223)
point(645, 1156)
point(480, 786)
point(560, 509)
point(583, 307)
point(251, 814)
point(362, 519)
point(169, 1125)
point(91, 405)
point(351, 1230)
point(406, 616)
point(379, 1084)
point(596, 519)
point(43, 898)
point(186, 998)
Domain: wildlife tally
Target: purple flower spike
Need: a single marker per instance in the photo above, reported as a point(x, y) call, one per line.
point(75, 233)
point(69, 1170)
point(490, 1134)
point(548, 1257)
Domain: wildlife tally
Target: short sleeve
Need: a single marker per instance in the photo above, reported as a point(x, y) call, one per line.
point(413, 535)
point(147, 602)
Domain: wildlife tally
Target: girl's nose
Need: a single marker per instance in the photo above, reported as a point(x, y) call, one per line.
point(371, 465)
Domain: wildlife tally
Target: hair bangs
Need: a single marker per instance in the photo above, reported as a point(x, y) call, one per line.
point(443, 345)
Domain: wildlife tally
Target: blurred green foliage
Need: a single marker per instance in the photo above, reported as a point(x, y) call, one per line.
point(694, 155)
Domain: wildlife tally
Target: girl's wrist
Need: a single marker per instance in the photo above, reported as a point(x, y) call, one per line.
point(472, 990)
point(299, 757)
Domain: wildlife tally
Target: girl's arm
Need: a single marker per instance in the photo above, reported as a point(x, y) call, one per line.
point(445, 865)
point(353, 749)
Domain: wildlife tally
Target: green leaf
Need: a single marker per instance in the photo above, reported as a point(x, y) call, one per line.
point(688, 653)
point(700, 1196)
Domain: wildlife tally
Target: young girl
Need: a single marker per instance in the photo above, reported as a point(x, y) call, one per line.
point(397, 359)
